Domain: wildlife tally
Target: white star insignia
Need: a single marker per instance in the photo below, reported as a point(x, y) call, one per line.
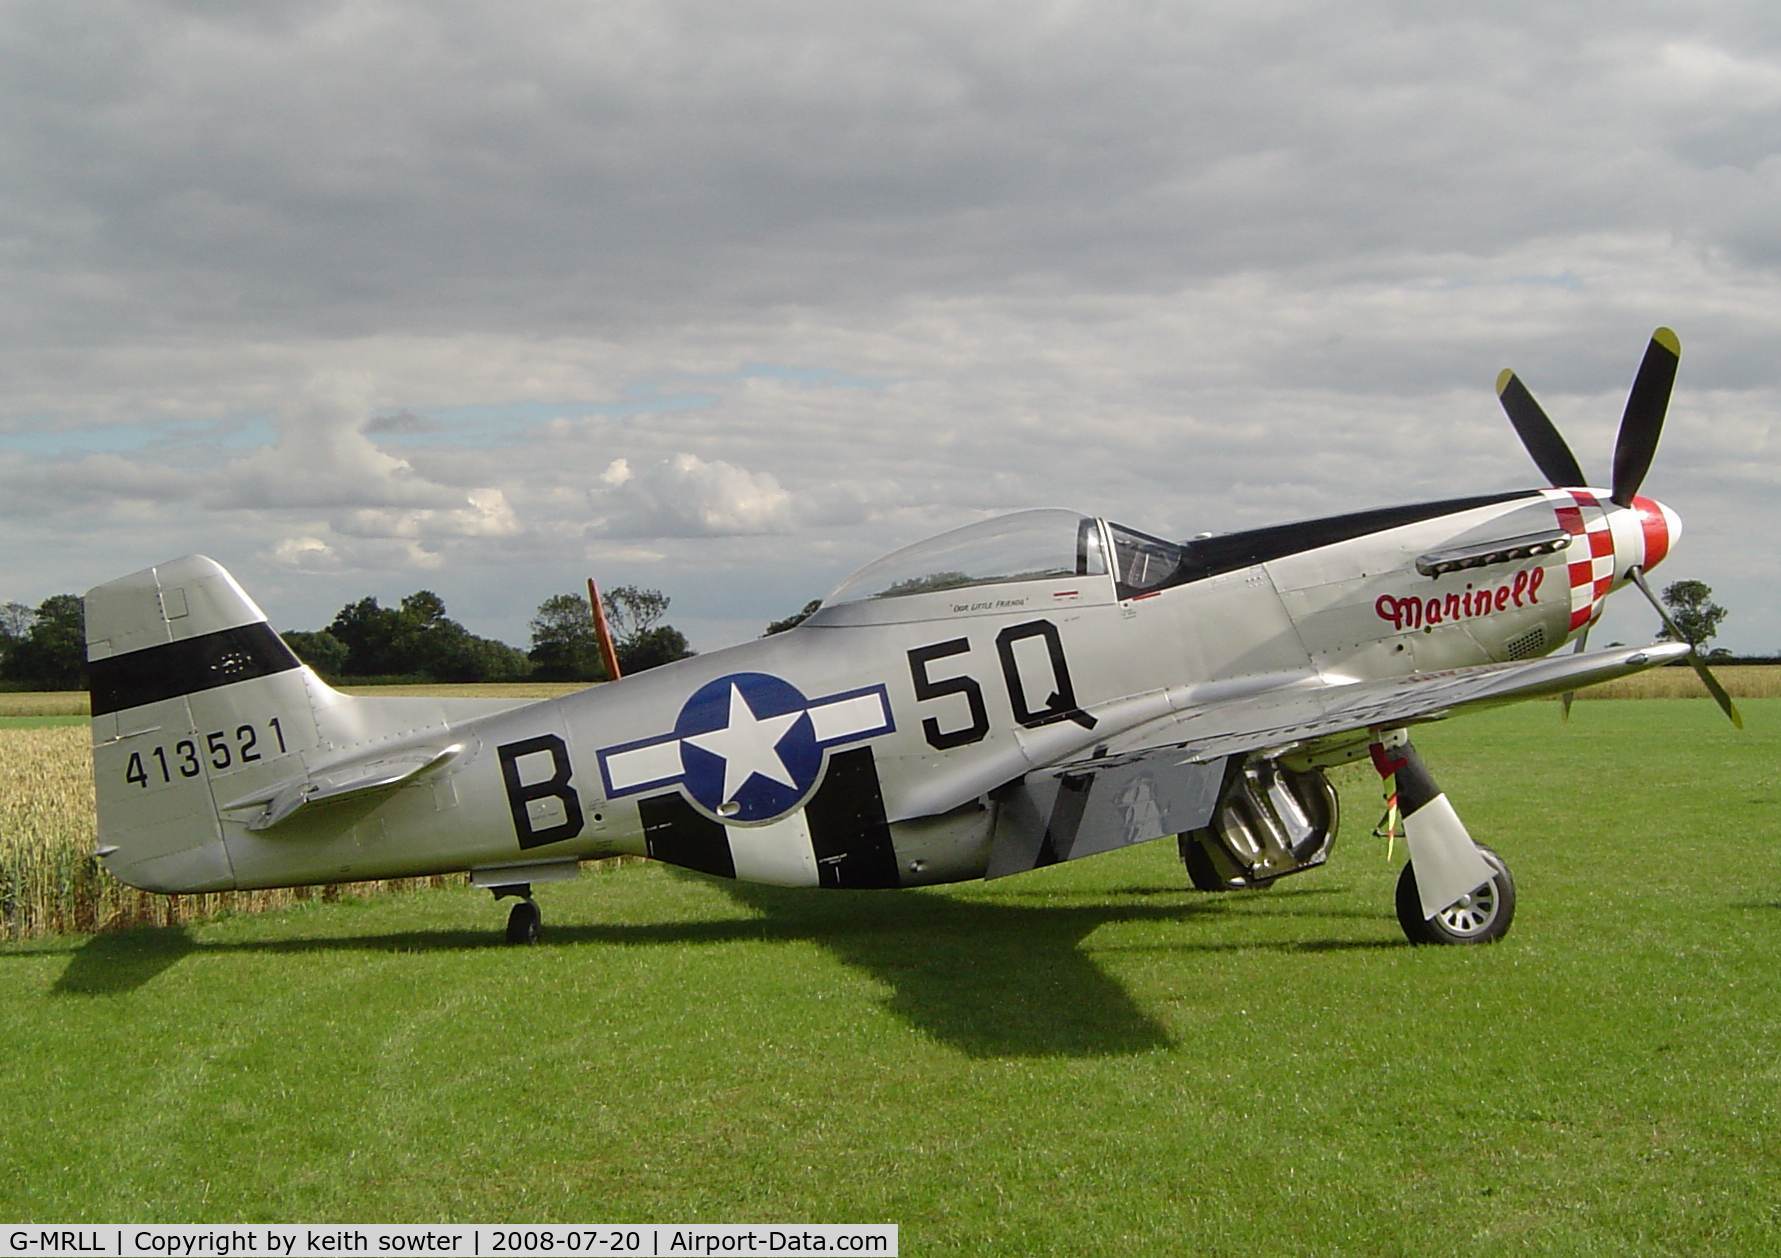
point(748, 745)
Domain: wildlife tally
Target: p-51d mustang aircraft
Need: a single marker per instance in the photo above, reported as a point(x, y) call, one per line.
point(1035, 688)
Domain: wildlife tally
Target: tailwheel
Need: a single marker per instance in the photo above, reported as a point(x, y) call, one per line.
point(524, 923)
point(1482, 916)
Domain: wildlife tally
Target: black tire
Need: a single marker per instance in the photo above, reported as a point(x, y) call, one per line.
point(524, 923)
point(1480, 918)
point(1199, 865)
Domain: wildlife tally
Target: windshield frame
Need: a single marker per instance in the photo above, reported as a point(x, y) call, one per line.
point(1143, 563)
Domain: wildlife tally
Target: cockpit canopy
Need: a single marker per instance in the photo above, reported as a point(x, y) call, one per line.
point(1025, 546)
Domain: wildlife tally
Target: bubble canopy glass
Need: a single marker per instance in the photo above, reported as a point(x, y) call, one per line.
point(1025, 546)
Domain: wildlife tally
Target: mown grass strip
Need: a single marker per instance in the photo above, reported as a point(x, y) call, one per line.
point(40, 703)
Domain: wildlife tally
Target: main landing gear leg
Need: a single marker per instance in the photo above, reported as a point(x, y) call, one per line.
point(524, 922)
point(1452, 891)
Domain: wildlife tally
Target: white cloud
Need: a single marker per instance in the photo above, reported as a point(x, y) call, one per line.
point(685, 496)
point(324, 458)
point(486, 514)
point(306, 554)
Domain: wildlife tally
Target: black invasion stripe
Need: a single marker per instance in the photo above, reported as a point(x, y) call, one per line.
point(673, 831)
point(187, 667)
point(1211, 556)
point(1066, 819)
point(848, 832)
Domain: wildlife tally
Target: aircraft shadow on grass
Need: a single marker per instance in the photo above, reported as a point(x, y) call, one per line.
point(998, 979)
point(988, 978)
point(122, 961)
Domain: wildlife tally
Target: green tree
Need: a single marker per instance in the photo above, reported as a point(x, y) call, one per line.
point(321, 650)
point(496, 661)
point(418, 638)
point(53, 652)
point(794, 620)
point(422, 610)
point(369, 632)
point(662, 645)
point(564, 644)
point(632, 611)
point(429, 642)
point(1692, 607)
point(15, 623)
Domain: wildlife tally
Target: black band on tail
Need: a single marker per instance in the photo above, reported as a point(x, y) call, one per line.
point(187, 667)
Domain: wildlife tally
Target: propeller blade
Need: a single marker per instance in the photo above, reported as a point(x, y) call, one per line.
point(1643, 419)
point(1694, 656)
point(1551, 455)
point(1568, 696)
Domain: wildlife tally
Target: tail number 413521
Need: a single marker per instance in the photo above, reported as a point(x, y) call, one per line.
point(219, 750)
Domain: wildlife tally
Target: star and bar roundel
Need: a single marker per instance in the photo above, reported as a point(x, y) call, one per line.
point(747, 747)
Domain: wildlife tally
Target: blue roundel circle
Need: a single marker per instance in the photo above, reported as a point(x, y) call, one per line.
point(748, 747)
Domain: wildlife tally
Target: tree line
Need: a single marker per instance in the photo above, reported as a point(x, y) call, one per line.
point(418, 640)
point(45, 647)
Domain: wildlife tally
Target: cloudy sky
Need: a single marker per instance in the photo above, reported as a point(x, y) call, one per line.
point(727, 299)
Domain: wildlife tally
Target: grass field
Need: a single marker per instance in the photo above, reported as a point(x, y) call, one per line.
point(1083, 1059)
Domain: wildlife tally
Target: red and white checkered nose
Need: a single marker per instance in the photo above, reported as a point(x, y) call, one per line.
point(1659, 528)
point(1606, 541)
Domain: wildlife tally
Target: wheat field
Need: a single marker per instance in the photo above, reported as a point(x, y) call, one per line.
point(51, 882)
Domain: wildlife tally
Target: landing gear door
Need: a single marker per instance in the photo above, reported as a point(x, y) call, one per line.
point(1050, 817)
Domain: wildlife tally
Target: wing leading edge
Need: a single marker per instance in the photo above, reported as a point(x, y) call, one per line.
point(1277, 719)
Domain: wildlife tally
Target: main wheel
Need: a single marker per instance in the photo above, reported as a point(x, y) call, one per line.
point(1482, 917)
point(524, 923)
point(1199, 865)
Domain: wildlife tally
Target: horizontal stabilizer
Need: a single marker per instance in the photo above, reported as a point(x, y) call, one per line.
point(343, 781)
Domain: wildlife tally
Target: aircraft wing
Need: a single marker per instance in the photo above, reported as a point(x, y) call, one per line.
point(1304, 714)
point(1166, 776)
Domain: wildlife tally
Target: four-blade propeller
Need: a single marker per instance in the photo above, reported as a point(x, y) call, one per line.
point(1640, 426)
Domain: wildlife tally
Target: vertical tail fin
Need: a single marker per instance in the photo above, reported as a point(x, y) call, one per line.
point(190, 686)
